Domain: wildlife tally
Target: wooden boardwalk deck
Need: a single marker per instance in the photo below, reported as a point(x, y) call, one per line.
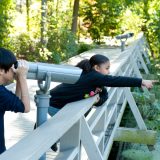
point(19, 125)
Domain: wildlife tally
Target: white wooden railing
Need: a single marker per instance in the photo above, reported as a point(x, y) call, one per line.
point(89, 137)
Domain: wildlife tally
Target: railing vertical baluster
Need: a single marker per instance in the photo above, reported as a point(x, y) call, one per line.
point(71, 139)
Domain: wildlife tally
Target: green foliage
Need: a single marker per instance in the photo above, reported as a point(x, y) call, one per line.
point(62, 44)
point(131, 21)
point(56, 57)
point(144, 16)
point(138, 151)
point(128, 122)
point(153, 124)
point(26, 44)
point(6, 12)
point(97, 18)
point(151, 76)
point(84, 47)
point(109, 18)
point(155, 66)
point(133, 154)
point(156, 91)
point(101, 18)
point(45, 54)
point(25, 47)
point(149, 107)
point(95, 34)
point(144, 98)
point(34, 20)
point(153, 26)
point(150, 111)
point(61, 41)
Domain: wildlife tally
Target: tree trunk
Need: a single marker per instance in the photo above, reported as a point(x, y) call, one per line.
point(20, 7)
point(43, 22)
point(57, 6)
point(27, 9)
point(75, 16)
point(147, 18)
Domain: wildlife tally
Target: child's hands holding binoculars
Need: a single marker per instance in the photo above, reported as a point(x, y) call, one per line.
point(21, 68)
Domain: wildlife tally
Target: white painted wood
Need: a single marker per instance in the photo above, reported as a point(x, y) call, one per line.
point(144, 49)
point(40, 140)
point(136, 70)
point(95, 116)
point(100, 126)
point(145, 54)
point(110, 111)
point(68, 154)
point(89, 143)
point(134, 109)
point(110, 141)
point(142, 62)
point(97, 136)
point(71, 139)
point(92, 121)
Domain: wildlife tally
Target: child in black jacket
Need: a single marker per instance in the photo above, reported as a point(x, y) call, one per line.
point(93, 80)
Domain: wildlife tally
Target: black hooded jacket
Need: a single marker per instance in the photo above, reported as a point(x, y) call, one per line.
point(66, 93)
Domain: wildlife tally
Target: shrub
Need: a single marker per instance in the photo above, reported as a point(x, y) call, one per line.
point(62, 44)
point(83, 47)
point(25, 47)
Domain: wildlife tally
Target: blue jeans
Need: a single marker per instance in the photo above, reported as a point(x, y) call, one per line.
point(52, 111)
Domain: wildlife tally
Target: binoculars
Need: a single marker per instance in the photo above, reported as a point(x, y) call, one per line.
point(125, 36)
point(59, 73)
point(16, 65)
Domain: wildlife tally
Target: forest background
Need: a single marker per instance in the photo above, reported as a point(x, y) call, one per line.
point(53, 30)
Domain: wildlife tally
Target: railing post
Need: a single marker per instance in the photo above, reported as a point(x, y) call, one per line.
point(71, 139)
point(122, 45)
point(42, 101)
point(88, 142)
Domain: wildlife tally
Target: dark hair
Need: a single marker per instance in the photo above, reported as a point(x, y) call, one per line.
point(7, 59)
point(97, 59)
